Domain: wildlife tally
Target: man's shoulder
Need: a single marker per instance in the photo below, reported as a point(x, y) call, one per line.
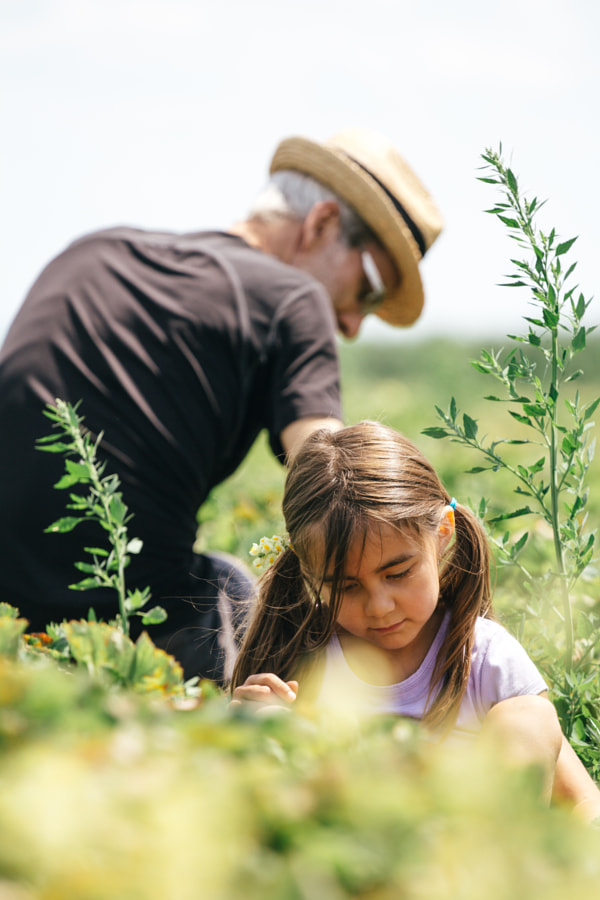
point(252, 259)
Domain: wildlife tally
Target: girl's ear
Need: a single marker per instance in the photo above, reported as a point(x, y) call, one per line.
point(446, 529)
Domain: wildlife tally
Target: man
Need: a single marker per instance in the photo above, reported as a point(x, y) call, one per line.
point(181, 348)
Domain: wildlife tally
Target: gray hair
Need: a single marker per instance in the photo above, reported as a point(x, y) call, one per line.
point(291, 194)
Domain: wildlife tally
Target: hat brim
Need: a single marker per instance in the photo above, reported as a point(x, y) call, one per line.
point(338, 172)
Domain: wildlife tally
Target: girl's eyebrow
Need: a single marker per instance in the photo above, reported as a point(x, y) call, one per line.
point(388, 564)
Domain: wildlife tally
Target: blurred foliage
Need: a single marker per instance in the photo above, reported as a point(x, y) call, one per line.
point(108, 794)
point(102, 649)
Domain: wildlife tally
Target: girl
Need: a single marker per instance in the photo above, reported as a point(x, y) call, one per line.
point(386, 581)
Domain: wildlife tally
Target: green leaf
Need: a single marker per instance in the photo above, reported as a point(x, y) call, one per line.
point(435, 432)
point(518, 545)
point(61, 526)
point(551, 318)
point(537, 466)
point(564, 247)
point(534, 409)
point(470, 427)
point(510, 223)
point(48, 439)
point(66, 481)
point(580, 307)
point(58, 447)
point(512, 181)
point(522, 419)
point(154, 616)
point(90, 568)
point(523, 511)
point(569, 444)
point(135, 600)
point(85, 584)
point(79, 469)
point(578, 342)
point(590, 409)
point(117, 508)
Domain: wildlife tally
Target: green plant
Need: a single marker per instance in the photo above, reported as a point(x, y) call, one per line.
point(548, 463)
point(533, 377)
point(103, 504)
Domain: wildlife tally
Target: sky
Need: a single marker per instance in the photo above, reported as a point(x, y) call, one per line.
point(163, 114)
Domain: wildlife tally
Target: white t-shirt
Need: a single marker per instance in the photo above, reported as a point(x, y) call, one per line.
point(500, 668)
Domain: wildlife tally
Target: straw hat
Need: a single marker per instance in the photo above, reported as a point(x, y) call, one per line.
point(363, 169)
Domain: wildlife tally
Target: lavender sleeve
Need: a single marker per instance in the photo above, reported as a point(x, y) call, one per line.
point(500, 668)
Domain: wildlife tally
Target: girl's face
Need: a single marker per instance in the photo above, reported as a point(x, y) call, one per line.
point(390, 592)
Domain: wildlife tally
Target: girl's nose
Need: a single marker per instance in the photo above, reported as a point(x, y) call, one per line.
point(379, 603)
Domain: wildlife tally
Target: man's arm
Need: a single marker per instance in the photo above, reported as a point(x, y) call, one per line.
point(294, 434)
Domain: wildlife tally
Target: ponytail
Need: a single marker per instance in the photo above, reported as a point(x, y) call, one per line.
point(465, 592)
point(288, 621)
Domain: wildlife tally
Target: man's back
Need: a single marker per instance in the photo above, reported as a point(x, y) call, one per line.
point(181, 348)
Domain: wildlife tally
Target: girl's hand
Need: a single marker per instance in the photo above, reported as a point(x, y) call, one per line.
point(266, 689)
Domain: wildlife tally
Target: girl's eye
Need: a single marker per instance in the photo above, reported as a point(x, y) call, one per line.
point(349, 586)
point(395, 576)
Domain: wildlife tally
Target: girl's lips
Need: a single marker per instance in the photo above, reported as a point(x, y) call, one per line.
point(389, 628)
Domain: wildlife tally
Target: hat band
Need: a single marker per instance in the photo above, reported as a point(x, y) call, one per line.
point(412, 226)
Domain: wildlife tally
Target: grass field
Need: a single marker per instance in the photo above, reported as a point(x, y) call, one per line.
point(399, 384)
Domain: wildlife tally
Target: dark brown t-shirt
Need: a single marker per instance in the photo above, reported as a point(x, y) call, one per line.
point(181, 348)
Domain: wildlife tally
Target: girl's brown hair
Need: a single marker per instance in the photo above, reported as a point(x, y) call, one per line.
point(340, 485)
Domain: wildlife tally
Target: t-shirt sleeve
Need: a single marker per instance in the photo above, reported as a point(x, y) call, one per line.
point(305, 369)
point(501, 668)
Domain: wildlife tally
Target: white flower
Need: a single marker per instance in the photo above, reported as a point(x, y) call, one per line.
point(266, 551)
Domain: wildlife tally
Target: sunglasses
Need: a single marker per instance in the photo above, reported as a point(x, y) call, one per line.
point(370, 300)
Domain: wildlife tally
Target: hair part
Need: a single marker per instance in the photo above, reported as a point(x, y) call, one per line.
point(340, 486)
point(290, 194)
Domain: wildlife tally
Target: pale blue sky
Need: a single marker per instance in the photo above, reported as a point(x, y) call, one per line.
point(164, 113)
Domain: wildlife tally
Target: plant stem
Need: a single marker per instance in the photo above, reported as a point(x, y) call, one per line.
point(554, 493)
point(88, 452)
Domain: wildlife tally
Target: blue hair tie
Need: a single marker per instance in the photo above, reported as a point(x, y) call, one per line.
point(453, 503)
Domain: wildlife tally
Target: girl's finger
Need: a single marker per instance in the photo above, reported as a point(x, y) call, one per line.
point(266, 687)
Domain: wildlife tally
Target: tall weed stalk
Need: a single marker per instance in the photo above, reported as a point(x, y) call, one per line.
point(534, 381)
point(103, 503)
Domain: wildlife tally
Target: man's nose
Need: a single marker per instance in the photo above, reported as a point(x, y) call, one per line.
point(349, 323)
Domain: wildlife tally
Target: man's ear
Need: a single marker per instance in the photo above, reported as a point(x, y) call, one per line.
point(321, 226)
point(446, 528)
